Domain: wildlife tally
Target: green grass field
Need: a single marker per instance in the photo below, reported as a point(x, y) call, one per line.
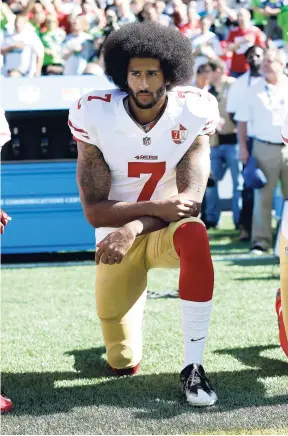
point(53, 361)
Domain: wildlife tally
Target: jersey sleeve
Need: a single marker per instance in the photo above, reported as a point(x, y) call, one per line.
point(285, 131)
point(213, 117)
point(78, 124)
point(5, 134)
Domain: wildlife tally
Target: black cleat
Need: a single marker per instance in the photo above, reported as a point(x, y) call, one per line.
point(196, 386)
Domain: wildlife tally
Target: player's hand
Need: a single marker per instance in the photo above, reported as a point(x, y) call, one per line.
point(4, 219)
point(244, 155)
point(113, 248)
point(174, 209)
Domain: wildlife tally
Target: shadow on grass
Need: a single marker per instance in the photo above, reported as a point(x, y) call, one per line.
point(255, 261)
point(157, 396)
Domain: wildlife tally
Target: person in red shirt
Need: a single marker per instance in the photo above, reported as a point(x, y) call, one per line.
point(240, 39)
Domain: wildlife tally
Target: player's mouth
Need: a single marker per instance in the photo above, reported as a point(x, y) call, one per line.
point(144, 94)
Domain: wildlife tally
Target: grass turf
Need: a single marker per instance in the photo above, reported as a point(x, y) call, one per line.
point(53, 364)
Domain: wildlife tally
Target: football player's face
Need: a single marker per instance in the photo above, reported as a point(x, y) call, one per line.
point(146, 82)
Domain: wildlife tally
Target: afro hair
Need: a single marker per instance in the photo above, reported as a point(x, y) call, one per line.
point(149, 40)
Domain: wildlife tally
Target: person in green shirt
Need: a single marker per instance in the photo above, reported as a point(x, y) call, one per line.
point(52, 40)
point(260, 20)
point(282, 21)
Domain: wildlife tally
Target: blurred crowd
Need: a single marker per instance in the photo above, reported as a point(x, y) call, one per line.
point(55, 37)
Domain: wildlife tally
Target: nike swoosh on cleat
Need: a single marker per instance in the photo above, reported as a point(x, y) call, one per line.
point(198, 339)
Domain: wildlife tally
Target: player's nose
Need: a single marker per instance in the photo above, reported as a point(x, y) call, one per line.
point(143, 84)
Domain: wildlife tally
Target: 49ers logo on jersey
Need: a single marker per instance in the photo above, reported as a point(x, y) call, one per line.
point(179, 134)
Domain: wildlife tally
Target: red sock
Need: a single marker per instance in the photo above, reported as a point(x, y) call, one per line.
point(196, 280)
point(126, 371)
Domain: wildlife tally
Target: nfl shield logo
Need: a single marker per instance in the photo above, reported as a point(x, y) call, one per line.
point(179, 134)
point(147, 141)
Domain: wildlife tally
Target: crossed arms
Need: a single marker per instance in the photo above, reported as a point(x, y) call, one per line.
point(94, 182)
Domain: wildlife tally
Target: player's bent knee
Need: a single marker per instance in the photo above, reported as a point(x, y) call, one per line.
point(122, 357)
point(190, 234)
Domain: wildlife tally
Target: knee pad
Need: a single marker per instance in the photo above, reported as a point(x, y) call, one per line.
point(120, 356)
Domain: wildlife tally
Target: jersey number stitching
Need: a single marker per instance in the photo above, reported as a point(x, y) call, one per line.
point(157, 171)
point(106, 98)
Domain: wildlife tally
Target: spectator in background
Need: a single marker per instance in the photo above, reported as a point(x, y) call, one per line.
point(38, 21)
point(265, 107)
point(187, 19)
point(22, 50)
point(52, 40)
point(203, 77)
point(206, 44)
point(259, 19)
point(223, 20)
point(77, 47)
point(111, 21)
point(208, 10)
point(89, 11)
point(282, 20)
point(224, 150)
point(270, 9)
point(240, 39)
point(254, 57)
point(125, 15)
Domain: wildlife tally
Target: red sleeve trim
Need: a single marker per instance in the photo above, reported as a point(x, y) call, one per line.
point(76, 129)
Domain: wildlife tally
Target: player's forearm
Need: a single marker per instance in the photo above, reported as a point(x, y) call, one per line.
point(146, 224)
point(110, 213)
point(192, 173)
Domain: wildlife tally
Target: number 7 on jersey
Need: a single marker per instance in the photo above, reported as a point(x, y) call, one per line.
point(157, 171)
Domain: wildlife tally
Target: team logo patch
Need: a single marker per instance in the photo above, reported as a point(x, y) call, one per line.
point(146, 141)
point(179, 134)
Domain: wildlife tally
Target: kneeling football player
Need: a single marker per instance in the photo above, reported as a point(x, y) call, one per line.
point(142, 169)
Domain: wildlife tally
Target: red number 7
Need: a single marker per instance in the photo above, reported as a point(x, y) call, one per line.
point(157, 171)
point(107, 98)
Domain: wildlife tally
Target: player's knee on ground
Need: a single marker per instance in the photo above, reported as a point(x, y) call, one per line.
point(121, 356)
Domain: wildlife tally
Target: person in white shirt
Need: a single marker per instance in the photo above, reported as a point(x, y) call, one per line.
point(264, 106)
point(206, 44)
point(22, 50)
point(254, 56)
point(77, 48)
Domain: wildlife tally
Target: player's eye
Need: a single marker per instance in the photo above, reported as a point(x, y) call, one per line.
point(135, 73)
point(152, 73)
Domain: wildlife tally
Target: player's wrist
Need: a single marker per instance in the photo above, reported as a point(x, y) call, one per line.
point(134, 228)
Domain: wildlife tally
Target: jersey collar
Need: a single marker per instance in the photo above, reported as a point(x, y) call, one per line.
point(126, 125)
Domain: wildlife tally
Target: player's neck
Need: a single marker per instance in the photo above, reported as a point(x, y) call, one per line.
point(145, 116)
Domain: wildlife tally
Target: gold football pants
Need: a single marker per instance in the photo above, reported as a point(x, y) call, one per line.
point(121, 293)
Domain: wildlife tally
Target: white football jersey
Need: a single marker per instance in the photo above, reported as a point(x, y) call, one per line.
point(142, 165)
